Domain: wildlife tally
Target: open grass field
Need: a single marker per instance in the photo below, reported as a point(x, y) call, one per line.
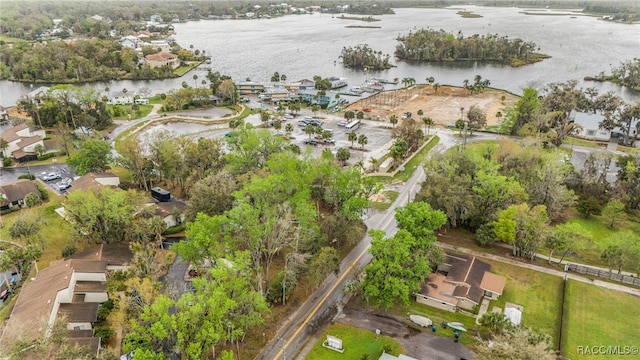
point(540, 294)
point(599, 317)
point(601, 237)
point(356, 343)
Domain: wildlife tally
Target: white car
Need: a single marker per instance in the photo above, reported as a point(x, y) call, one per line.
point(343, 123)
point(51, 177)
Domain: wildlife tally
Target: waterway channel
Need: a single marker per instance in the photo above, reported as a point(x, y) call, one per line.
point(301, 46)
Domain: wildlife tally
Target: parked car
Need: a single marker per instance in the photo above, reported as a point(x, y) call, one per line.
point(406, 115)
point(310, 142)
point(343, 123)
point(303, 123)
point(64, 184)
point(330, 141)
point(52, 176)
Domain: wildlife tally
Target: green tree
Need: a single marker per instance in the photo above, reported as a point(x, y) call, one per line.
point(40, 150)
point(324, 263)
point(352, 136)
point(496, 323)
point(589, 206)
point(362, 141)
point(477, 118)
point(566, 238)
point(526, 110)
point(32, 199)
point(393, 119)
point(105, 215)
point(342, 155)
point(395, 271)
point(428, 123)
point(288, 129)
point(523, 227)
point(613, 212)
point(420, 220)
point(27, 229)
point(398, 151)
point(94, 156)
point(520, 343)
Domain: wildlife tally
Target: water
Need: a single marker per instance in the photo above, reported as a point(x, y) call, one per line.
point(301, 46)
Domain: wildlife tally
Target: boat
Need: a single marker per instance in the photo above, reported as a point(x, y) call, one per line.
point(387, 81)
point(421, 320)
point(456, 326)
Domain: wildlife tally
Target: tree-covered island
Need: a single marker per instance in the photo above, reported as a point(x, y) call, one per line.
point(364, 57)
point(439, 45)
point(626, 74)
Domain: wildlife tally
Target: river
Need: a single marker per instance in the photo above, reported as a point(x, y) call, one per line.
point(301, 46)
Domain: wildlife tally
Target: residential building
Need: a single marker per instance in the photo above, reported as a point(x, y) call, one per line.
point(172, 213)
point(249, 87)
point(21, 142)
point(315, 97)
point(95, 180)
point(162, 59)
point(121, 98)
point(460, 283)
point(589, 126)
point(12, 194)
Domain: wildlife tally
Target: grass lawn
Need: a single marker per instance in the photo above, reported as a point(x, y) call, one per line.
point(540, 294)
point(412, 165)
point(185, 69)
point(598, 317)
point(580, 142)
point(356, 343)
point(387, 198)
point(601, 237)
point(126, 110)
point(54, 240)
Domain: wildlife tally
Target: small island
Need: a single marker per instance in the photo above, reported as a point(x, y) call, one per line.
point(364, 57)
point(626, 74)
point(439, 45)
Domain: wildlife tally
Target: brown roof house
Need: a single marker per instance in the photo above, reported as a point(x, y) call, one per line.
point(21, 142)
point(12, 194)
point(460, 283)
point(162, 59)
point(95, 180)
point(72, 288)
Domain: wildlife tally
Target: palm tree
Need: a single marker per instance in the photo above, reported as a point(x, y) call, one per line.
point(315, 108)
point(408, 81)
point(393, 120)
point(283, 77)
point(420, 112)
point(428, 122)
point(353, 137)
point(288, 129)
point(310, 130)
point(436, 86)
point(375, 164)
point(195, 79)
point(363, 140)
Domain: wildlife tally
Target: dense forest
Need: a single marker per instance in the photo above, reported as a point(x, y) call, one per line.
point(362, 56)
point(439, 45)
point(78, 61)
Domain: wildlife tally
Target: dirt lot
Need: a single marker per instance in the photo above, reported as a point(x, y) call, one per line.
point(442, 106)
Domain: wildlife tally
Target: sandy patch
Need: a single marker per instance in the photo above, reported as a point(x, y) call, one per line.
point(442, 106)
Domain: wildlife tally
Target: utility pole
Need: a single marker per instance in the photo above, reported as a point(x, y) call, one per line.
point(464, 138)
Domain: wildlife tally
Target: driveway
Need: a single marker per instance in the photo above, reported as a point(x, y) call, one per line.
point(417, 344)
point(174, 279)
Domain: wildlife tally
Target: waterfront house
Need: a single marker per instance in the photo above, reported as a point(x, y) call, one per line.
point(162, 59)
point(589, 126)
point(249, 87)
point(121, 98)
point(460, 283)
point(316, 97)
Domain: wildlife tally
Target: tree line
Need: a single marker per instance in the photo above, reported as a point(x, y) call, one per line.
point(439, 45)
point(80, 61)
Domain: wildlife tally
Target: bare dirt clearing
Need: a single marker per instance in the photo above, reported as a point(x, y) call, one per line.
point(442, 106)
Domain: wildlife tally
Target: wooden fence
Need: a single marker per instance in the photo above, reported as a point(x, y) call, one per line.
point(586, 270)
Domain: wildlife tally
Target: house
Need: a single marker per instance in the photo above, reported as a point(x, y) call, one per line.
point(460, 283)
point(589, 126)
point(95, 180)
point(304, 84)
point(121, 98)
point(71, 288)
point(12, 194)
point(249, 87)
point(36, 95)
point(21, 141)
point(162, 59)
point(129, 42)
point(172, 213)
point(337, 82)
point(276, 94)
point(163, 45)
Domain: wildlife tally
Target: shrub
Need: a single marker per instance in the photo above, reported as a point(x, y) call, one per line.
point(27, 176)
point(103, 332)
point(104, 309)
point(174, 229)
point(68, 251)
point(32, 200)
point(44, 195)
point(46, 156)
point(7, 162)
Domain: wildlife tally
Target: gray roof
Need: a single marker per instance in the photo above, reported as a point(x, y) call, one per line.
point(588, 121)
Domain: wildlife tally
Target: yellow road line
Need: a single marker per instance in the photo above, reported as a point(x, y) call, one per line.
point(324, 298)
